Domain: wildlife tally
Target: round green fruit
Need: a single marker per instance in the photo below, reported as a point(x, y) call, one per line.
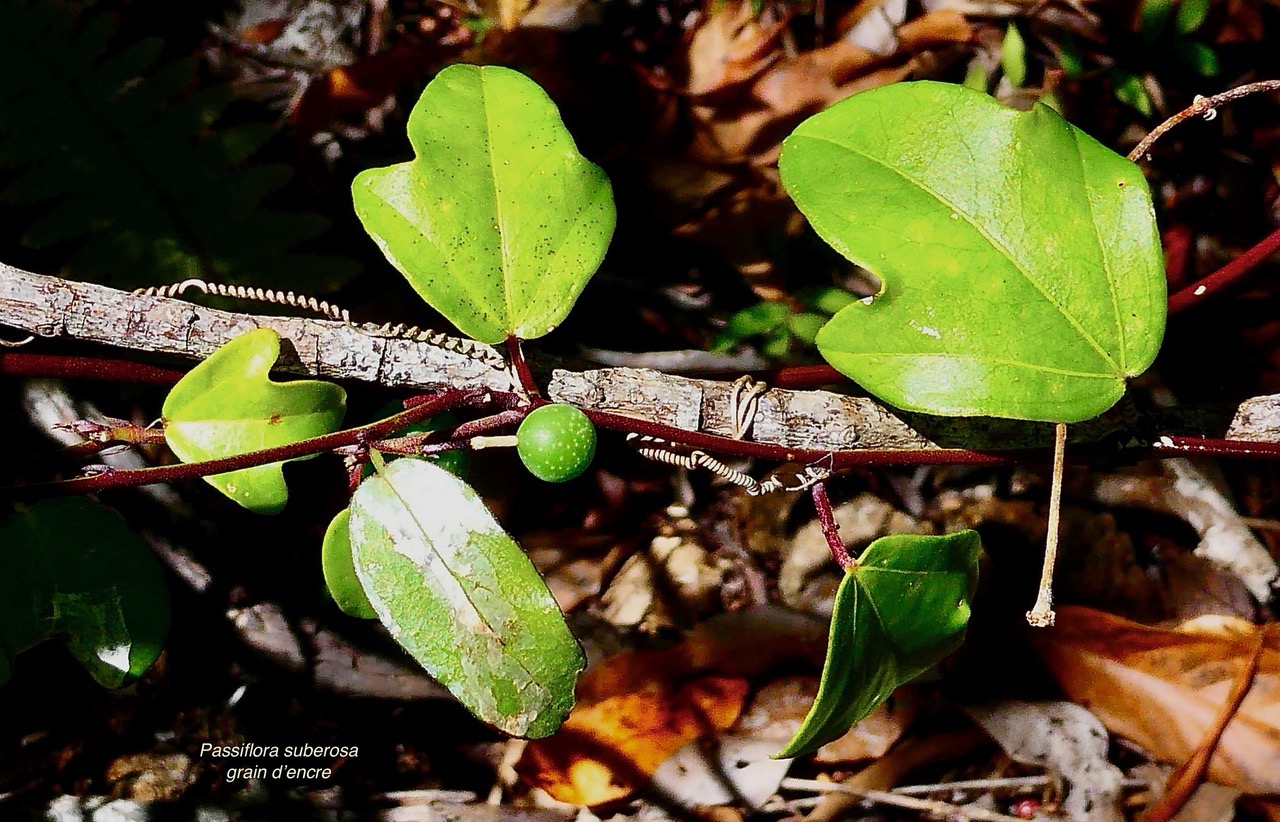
point(556, 442)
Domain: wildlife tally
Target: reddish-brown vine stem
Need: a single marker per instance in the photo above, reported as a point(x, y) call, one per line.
point(88, 368)
point(132, 478)
point(778, 453)
point(515, 355)
point(827, 519)
point(1228, 275)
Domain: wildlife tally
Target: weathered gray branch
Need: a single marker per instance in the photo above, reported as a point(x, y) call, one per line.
point(50, 307)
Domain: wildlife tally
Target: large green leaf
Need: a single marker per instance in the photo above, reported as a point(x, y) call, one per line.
point(72, 569)
point(899, 611)
point(458, 593)
point(498, 222)
point(228, 405)
point(1020, 265)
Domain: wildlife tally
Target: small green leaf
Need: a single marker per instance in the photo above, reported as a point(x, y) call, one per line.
point(458, 593)
point(1191, 15)
point(228, 405)
point(1129, 90)
point(1021, 269)
point(72, 569)
point(827, 299)
point(1200, 58)
point(975, 77)
point(498, 222)
point(1155, 16)
point(805, 326)
point(340, 569)
point(1070, 58)
point(1013, 57)
point(900, 611)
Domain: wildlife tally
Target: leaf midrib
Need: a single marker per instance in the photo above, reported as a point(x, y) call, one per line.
point(497, 204)
point(996, 244)
point(1015, 363)
point(533, 680)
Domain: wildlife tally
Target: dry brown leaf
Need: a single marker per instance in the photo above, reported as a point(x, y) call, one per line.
point(778, 708)
point(632, 714)
point(152, 777)
point(732, 45)
point(1163, 688)
point(750, 124)
point(638, 708)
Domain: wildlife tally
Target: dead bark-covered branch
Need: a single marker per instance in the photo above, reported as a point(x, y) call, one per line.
point(49, 307)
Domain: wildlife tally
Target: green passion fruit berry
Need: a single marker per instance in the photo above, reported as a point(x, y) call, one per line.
point(556, 442)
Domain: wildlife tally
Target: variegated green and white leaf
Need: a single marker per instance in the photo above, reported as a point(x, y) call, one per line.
point(458, 593)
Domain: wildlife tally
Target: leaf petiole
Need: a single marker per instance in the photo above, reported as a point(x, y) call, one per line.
point(1041, 615)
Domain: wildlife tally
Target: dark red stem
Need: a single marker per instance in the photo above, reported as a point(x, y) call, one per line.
point(132, 478)
point(1173, 446)
point(805, 377)
point(837, 459)
point(1224, 277)
point(515, 355)
point(830, 530)
point(88, 368)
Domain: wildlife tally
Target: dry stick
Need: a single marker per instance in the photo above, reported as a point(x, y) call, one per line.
point(1042, 616)
point(1201, 106)
point(945, 810)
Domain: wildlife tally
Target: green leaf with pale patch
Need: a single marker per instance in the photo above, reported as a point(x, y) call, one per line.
point(458, 593)
point(900, 611)
point(228, 405)
point(71, 569)
point(498, 221)
point(1021, 269)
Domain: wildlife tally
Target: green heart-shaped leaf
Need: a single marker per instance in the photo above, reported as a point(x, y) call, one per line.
point(228, 405)
point(900, 610)
point(72, 569)
point(498, 222)
point(458, 593)
point(1021, 268)
point(340, 569)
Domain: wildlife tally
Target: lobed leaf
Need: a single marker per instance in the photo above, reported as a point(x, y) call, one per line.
point(498, 221)
point(1021, 269)
point(228, 405)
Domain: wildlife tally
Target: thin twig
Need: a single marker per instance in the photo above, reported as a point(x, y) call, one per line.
point(1191, 774)
point(1041, 615)
point(1201, 106)
point(945, 810)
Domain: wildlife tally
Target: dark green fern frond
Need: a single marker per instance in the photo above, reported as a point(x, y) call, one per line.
point(104, 148)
